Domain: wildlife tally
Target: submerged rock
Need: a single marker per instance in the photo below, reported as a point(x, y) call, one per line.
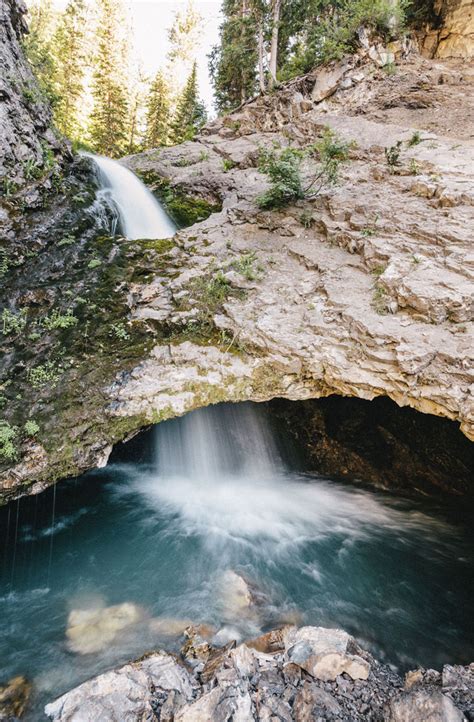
point(91, 630)
point(14, 696)
point(236, 599)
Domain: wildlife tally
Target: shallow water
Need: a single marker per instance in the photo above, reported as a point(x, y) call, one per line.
point(208, 493)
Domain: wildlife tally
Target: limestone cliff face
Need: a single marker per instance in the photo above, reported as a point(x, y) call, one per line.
point(453, 33)
point(25, 117)
point(364, 291)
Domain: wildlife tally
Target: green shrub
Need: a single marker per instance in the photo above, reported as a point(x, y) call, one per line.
point(94, 263)
point(245, 265)
point(329, 30)
point(119, 331)
point(67, 240)
point(283, 169)
point(415, 139)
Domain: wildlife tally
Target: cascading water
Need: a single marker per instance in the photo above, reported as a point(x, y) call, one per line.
point(176, 534)
point(140, 214)
point(188, 514)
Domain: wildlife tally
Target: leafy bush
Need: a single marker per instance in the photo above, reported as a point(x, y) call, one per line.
point(283, 168)
point(392, 156)
point(119, 331)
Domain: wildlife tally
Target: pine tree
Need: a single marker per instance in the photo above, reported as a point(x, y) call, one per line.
point(69, 43)
point(233, 63)
point(108, 126)
point(184, 39)
point(38, 46)
point(158, 113)
point(190, 112)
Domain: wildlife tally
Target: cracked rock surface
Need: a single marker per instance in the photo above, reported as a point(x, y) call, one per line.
point(272, 677)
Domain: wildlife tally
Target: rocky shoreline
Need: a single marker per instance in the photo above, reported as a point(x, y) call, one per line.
point(289, 674)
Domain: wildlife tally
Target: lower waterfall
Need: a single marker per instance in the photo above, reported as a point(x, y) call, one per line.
point(206, 520)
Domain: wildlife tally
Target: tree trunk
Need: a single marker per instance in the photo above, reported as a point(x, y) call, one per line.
point(274, 42)
point(261, 69)
point(393, 21)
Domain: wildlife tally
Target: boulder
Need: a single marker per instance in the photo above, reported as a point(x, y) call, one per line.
point(91, 630)
point(235, 598)
point(423, 704)
point(125, 693)
point(325, 653)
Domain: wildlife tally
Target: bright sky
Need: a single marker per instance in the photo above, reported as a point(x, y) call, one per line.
point(153, 18)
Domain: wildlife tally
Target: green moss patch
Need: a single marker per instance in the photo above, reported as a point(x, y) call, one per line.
point(184, 208)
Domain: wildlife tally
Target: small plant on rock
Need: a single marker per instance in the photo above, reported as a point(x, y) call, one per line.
point(415, 139)
point(245, 265)
point(31, 427)
point(392, 156)
point(13, 322)
point(8, 434)
point(44, 374)
point(119, 331)
point(228, 164)
point(59, 320)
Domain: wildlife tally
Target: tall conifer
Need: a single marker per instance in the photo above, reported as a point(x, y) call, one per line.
point(108, 126)
point(69, 42)
point(158, 113)
point(190, 111)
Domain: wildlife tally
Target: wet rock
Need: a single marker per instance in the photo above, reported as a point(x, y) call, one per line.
point(432, 706)
point(241, 683)
point(329, 666)
point(169, 626)
point(90, 630)
point(458, 684)
point(128, 693)
point(196, 650)
point(235, 597)
point(215, 660)
point(14, 696)
point(269, 643)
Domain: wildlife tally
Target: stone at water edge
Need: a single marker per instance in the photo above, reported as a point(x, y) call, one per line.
point(423, 706)
point(125, 693)
point(327, 667)
point(269, 643)
point(235, 597)
point(325, 653)
point(91, 630)
point(14, 696)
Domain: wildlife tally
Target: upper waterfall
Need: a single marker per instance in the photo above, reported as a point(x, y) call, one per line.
point(141, 215)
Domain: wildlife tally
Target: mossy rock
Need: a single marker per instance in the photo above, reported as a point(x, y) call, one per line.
point(183, 208)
